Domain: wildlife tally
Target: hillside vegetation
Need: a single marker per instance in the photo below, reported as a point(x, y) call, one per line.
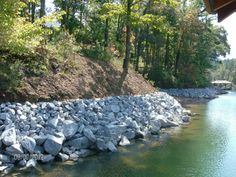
point(169, 42)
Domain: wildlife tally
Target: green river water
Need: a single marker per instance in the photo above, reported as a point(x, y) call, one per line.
point(204, 148)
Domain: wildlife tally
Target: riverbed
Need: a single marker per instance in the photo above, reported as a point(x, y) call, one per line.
point(204, 148)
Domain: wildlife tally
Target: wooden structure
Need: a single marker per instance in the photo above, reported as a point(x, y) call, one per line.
point(223, 8)
point(222, 84)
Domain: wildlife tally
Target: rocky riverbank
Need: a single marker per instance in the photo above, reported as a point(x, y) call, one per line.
point(69, 130)
point(196, 93)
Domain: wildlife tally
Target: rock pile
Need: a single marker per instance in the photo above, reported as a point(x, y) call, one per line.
point(207, 93)
point(74, 129)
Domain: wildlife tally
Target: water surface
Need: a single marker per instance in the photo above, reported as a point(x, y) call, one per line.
point(204, 148)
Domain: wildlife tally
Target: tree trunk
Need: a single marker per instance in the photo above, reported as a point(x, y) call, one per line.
point(106, 33)
point(167, 51)
point(42, 8)
point(128, 36)
point(33, 12)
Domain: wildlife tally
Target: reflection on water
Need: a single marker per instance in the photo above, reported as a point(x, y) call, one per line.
point(205, 148)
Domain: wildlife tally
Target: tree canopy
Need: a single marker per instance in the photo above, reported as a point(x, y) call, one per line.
point(170, 42)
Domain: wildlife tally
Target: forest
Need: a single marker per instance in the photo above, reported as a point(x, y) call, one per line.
point(172, 43)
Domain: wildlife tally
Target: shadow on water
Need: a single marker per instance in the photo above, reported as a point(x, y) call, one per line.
point(205, 148)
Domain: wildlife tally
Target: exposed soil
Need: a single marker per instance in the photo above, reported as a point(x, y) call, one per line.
point(91, 79)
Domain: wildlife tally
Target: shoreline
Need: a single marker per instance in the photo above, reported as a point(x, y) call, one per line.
point(47, 131)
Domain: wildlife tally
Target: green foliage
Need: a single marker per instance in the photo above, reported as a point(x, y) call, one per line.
point(10, 74)
point(224, 70)
point(97, 52)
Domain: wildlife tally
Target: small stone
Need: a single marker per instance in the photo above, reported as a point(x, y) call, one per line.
point(81, 128)
point(22, 163)
point(47, 158)
point(31, 163)
point(4, 158)
point(185, 118)
point(89, 134)
point(115, 108)
point(124, 141)
point(2, 168)
point(63, 157)
point(74, 157)
point(53, 122)
point(4, 116)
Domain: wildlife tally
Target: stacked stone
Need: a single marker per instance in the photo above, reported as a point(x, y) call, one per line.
point(207, 93)
point(74, 129)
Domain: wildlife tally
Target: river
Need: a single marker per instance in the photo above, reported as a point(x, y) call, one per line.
point(204, 148)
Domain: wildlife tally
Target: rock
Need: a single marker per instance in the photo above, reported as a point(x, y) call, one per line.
point(139, 134)
point(115, 108)
point(85, 153)
point(80, 143)
point(63, 157)
point(114, 131)
point(8, 169)
point(53, 122)
point(130, 134)
point(14, 149)
point(31, 163)
point(165, 123)
point(9, 136)
point(22, 163)
point(124, 141)
point(47, 158)
point(74, 157)
point(69, 128)
point(40, 139)
point(53, 145)
point(155, 126)
point(4, 116)
point(38, 150)
point(111, 146)
point(4, 158)
point(81, 128)
point(89, 134)
point(3, 167)
point(101, 144)
point(185, 118)
point(28, 143)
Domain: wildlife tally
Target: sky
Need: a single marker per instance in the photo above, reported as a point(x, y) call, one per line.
point(230, 25)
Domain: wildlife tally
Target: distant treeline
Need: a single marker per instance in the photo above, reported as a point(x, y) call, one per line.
point(224, 70)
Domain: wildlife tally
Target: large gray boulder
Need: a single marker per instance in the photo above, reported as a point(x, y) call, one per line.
point(28, 143)
point(80, 143)
point(89, 134)
point(14, 149)
point(9, 136)
point(69, 128)
point(53, 144)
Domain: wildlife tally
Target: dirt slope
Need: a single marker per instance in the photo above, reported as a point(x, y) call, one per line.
point(92, 79)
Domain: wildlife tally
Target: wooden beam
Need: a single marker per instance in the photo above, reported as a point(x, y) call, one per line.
point(226, 11)
point(218, 4)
